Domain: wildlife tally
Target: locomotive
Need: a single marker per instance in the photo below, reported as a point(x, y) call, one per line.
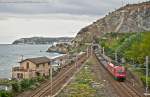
point(117, 70)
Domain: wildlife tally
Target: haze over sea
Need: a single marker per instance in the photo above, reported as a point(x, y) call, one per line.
point(10, 55)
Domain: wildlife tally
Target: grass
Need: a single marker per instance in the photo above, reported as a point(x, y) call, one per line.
point(81, 86)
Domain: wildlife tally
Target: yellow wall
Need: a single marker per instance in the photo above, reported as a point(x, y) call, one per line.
point(31, 72)
point(31, 65)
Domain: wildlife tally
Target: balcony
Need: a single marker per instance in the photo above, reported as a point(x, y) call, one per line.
point(20, 69)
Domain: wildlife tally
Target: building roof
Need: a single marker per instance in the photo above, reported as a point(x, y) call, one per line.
point(62, 56)
point(38, 60)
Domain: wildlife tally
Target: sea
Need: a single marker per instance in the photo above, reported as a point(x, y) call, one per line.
point(10, 55)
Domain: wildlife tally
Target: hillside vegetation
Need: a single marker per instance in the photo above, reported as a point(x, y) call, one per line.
point(133, 47)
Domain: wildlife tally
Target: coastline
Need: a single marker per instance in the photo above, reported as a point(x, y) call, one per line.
point(10, 55)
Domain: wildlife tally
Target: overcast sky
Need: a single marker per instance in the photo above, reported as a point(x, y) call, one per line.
point(51, 18)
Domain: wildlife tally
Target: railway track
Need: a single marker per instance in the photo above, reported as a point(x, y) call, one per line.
point(49, 89)
point(123, 89)
point(131, 91)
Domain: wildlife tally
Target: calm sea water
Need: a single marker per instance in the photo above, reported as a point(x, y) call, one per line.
point(10, 55)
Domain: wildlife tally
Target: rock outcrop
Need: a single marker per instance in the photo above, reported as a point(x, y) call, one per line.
point(130, 18)
point(59, 48)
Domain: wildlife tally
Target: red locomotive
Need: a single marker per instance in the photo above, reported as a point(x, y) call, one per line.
point(118, 71)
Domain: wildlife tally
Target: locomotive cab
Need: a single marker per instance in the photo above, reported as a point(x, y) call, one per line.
point(119, 72)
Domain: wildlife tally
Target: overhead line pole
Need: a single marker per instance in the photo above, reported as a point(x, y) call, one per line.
point(51, 79)
point(116, 57)
point(147, 71)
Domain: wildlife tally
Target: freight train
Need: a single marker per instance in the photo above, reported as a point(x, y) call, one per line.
point(117, 70)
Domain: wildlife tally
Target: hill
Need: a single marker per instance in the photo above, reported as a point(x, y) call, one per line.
point(130, 18)
point(42, 40)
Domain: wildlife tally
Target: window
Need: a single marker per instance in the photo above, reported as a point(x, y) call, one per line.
point(27, 65)
point(120, 71)
point(43, 65)
point(37, 65)
point(19, 75)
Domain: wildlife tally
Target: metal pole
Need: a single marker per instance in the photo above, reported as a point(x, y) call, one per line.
point(146, 74)
point(103, 50)
point(133, 61)
point(51, 79)
point(91, 49)
point(87, 52)
point(22, 57)
point(76, 61)
point(116, 58)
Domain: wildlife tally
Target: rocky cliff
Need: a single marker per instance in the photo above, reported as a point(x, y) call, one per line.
point(130, 18)
point(59, 48)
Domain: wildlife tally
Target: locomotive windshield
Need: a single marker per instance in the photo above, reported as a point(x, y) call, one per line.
point(120, 71)
point(115, 63)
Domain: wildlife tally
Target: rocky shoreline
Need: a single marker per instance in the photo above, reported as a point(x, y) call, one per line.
point(62, 48)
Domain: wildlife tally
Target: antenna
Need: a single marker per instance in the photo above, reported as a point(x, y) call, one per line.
point(22, 57)
point(122, 3)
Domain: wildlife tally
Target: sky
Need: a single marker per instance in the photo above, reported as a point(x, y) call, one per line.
point(51, 18)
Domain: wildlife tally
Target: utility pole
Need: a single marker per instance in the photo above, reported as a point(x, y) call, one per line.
point(76, 59)
point(22, 57)
point(122, 2)
point(116, 56)
point(87, 52)
point(103, 50)
point(91, 49)
point(146, 92)
point(146, 74)
point(51, 77)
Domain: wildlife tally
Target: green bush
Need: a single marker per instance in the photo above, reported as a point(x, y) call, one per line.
point(143, 78)
point(5, 94)
point(32, 87)
point(40, 79)
point(32, 81)
point(16, 87)
point(25, 84)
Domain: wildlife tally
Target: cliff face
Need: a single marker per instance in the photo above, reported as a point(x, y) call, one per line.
point(130, 18)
